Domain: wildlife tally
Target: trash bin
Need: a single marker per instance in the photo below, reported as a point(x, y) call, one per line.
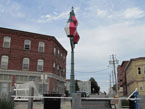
point(52, 103)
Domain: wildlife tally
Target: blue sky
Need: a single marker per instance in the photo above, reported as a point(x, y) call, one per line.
point(105, 27)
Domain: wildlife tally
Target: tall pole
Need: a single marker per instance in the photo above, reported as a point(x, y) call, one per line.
point(112, 78)
point(72, 76)
point(110, 83)
point(114, 61)
point(71, 31)
point(114, 69)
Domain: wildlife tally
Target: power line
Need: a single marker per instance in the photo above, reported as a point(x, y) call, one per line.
point(90, 71)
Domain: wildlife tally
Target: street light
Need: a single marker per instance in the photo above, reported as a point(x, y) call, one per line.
point(71, 32)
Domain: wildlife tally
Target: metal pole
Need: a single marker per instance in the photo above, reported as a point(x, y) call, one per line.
point(72, 82)
point(30, 102)
point(42, 84)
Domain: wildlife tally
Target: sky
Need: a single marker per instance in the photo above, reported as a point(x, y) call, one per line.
point(105, 27)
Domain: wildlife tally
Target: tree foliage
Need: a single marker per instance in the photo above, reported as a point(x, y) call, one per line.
point(94, 86)
point(76, 86)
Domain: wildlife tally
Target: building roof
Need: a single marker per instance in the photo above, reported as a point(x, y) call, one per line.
point(31, 34)
point(124, 63)
point(134, 59)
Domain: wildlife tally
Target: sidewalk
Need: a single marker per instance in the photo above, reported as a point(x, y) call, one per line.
point(66, 105)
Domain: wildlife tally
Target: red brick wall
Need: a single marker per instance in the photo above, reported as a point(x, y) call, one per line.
point(16, 51)
point(122, 76)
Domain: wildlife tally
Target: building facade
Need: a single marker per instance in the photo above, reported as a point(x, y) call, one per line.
point(135, 75)
point(26, 56)
point(121, 75)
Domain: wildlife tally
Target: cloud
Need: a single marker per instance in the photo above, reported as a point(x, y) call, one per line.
point(126, 14)
point(132, 13)
point(55, 16)
point(11, 8)
point(101, 13)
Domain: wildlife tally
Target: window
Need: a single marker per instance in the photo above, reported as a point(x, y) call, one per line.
point(32, 78)
point(139, 70)
point(140, 86)
point(26, 64)
point(58, 52)
point(54, 65)
point(40, 65)
point(7, 41)
point(4, 62)
point(57, 67)
point(61, 55)
point(41, 47)
point(54, 51)
point(27, 44)
point(43, 88)
point(4, 87)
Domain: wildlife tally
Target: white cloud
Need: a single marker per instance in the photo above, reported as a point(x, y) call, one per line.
point(127, 14)
point(11, 8)
point(101, 13)
point(132, 13)
point(55, 16)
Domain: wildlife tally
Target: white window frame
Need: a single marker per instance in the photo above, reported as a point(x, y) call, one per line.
point(4, 62)
point(27, 60)
point(58, 52)
point(57, 67)
point(27, 42)
point(5, 88)
point(7, 40)
point(54, 65)
point(54, 51)
point(40, 63)
point(141, 85)
point(41, 47)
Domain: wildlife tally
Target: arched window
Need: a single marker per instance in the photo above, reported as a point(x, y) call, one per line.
point(4, 62)
point(40, 64)
point(26, 64)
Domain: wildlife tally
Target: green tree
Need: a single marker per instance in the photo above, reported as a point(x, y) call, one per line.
point(76, 86)
point(94, 86)
point(114, 87)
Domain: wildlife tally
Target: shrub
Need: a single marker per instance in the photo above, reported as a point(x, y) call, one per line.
point(124, 102)
point(5, 104)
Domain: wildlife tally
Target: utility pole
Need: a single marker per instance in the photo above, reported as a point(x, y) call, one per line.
point(113, 62)
point(112, 78)
point(110, 83)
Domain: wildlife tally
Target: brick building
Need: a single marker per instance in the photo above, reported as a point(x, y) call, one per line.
point(121, 75)
point(25, 56)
